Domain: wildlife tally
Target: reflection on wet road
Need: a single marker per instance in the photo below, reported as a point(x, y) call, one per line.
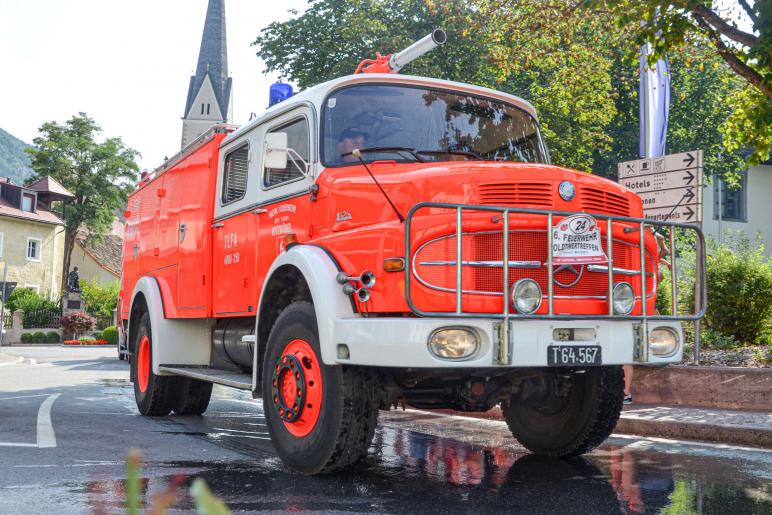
point(419, 462)
point(422, 462)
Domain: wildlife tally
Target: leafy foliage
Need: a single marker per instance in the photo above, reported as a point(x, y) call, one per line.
point(111, 335)
point(739, 279)
point(100, 299)
point(77, 323)
point(26, 337)
point(563, 59)
point(99, 174)
point(17, 298)
point(14, 162)
point(52, 337)
point(676, 24)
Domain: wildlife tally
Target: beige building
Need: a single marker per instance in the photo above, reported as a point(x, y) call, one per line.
point(31, 236)
point(98, 261)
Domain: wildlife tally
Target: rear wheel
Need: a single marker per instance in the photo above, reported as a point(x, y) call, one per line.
point(152, 393)
point(578, 413)
point(321, 418)
point(191, 396)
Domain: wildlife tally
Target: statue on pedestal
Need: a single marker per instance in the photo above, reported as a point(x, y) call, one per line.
point(73, 281)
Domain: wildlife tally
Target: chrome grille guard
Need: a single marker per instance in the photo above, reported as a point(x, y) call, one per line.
point(507, 314)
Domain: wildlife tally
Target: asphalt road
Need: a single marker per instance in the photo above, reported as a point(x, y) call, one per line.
point(68, 419)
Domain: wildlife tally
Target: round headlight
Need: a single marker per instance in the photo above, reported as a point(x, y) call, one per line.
point(624, 299)
point(453, 343)
point(526, 296)
point(663, 341)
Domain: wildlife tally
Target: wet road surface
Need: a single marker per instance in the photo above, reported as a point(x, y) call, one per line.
point(73, 462)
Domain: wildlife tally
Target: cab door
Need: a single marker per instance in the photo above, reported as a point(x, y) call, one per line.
point(234, 236)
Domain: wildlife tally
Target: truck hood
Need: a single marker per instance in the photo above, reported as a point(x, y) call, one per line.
point(355, 200)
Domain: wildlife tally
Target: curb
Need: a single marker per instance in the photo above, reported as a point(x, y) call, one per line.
point(751, 436)
point(746, 435)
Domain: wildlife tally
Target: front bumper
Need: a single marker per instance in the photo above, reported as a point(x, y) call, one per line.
point(402, 342)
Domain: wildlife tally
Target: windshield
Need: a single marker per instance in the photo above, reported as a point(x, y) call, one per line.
point(404, 123)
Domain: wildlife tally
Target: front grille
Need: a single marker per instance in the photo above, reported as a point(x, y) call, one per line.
point(595, 200)
point(434, 264)
point(519, 194)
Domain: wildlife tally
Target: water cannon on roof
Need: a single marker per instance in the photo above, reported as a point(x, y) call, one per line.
point(393, 63)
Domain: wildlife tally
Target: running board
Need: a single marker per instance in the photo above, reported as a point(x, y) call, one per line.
point(238, 380)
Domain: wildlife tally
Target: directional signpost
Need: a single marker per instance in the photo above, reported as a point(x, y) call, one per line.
point(670, 186)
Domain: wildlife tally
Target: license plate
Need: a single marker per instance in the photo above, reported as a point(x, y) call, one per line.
point(567, 355)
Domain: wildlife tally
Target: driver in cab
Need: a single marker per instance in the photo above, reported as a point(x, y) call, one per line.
point(350, 139)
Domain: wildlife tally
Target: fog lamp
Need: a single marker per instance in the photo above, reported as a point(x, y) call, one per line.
point(624, 299)
point(453, 343)
point(526, 296)
point(663, 341)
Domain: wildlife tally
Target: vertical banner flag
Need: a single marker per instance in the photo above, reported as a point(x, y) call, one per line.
point(654, 105)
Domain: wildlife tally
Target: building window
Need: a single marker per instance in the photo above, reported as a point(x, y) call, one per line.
point(734, 202)
point(235, 173)
point(207, 108)
point(35, 287)
point(202, 108)
point(33, 249)
point(297, 140)
point(28, 202)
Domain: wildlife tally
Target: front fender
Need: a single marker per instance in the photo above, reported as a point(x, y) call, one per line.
point(330, 303)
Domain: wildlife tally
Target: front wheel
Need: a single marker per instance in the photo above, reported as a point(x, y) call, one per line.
point(321, 418)
point(578, 412)
point(153, 393)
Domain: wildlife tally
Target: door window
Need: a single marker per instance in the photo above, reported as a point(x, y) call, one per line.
point(297, 141)
point(235, 173)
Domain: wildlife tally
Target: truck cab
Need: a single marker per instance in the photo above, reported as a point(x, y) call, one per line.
point(383, 240)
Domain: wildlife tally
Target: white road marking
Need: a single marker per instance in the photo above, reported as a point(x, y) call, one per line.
point(8, 363)
point(641, 440)
point(46, 436)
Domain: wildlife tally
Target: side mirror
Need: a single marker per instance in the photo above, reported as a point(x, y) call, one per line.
point(275, 148)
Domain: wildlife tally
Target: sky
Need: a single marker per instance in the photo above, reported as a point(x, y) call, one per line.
point(125, 64)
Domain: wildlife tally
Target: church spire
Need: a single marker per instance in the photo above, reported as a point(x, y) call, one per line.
point(209, 93)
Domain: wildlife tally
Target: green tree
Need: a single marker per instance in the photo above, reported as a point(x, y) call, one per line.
point(100, 299)
point(673, 25)
point(99, 174)
point(561, 58)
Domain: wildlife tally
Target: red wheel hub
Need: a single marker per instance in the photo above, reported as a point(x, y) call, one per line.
point(143, 363)
point(297, 388)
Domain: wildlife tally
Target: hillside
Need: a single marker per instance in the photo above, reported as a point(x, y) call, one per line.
point(14, 163)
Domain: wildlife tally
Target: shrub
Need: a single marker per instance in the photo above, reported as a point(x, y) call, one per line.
point(52, 337)
point(111, 335)
point(77, 323)
point(100, 299)
point(26, 337)
point(39, 337)
point(739, 280)
point(17, 297)
point(97, 335)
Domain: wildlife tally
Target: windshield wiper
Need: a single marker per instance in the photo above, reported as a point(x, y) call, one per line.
point(410, 151)
point(477, 157)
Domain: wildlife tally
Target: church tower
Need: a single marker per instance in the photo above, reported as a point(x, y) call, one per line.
point(209, 94)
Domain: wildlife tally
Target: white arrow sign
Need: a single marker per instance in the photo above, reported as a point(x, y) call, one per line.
point(669, 186)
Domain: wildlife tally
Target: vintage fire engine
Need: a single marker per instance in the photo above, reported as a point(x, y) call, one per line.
point(383, 240)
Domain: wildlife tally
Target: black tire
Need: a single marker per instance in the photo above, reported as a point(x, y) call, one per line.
point(350, 402)
point(191, 396)
point(581, 422)
point(156, 400)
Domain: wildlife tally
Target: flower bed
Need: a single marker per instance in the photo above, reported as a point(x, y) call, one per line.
point(86, 341)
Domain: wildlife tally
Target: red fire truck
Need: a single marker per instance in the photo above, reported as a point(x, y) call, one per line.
point(382, 240)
